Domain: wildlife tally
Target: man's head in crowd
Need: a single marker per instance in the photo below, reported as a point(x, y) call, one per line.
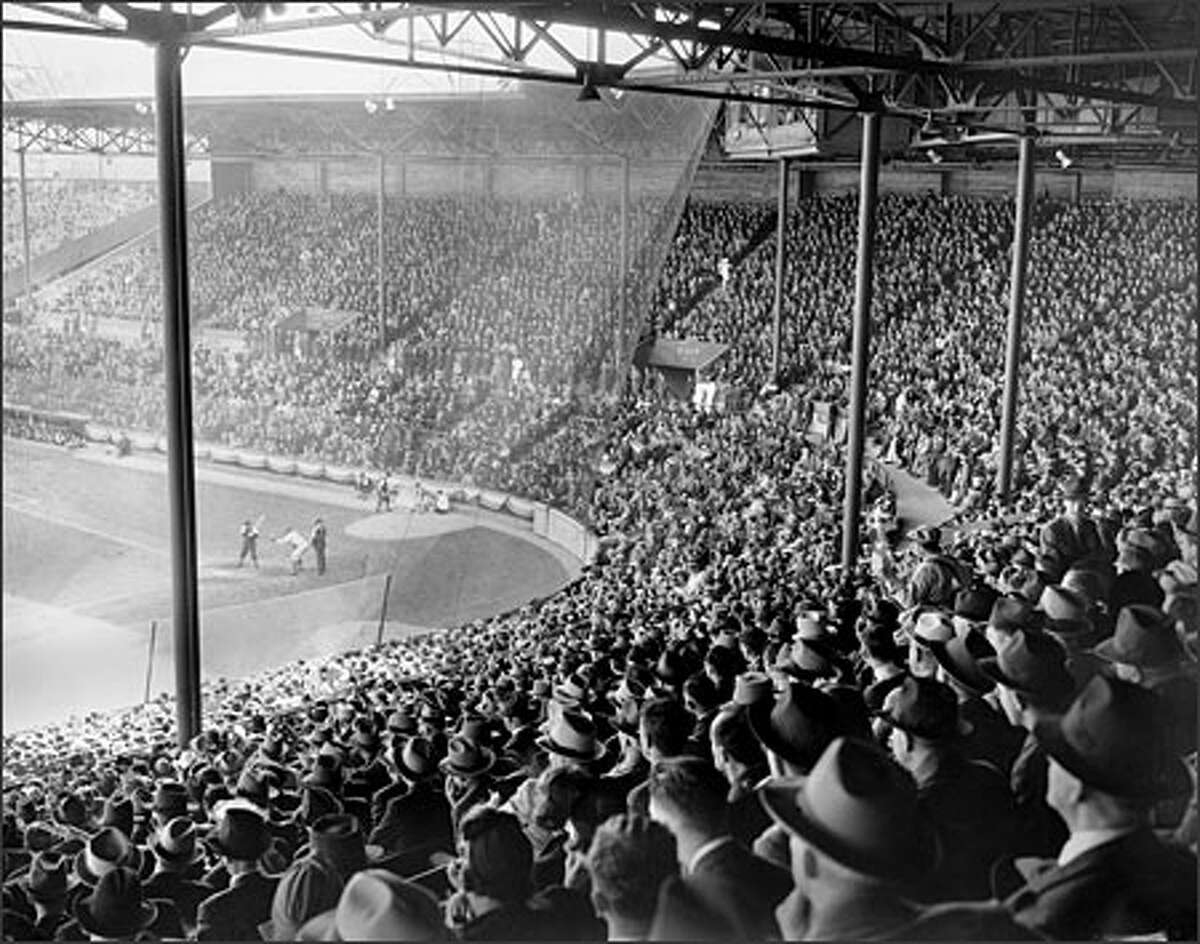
point(664, 729)
point(688, 796)
point(629, 859)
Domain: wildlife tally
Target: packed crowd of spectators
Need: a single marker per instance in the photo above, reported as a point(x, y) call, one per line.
point(62, 210)
point(716, 733)
point(496, 311)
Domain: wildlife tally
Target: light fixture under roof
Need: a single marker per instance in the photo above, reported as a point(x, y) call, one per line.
point(371, 106)
point(1061, 156)
point(934, 156)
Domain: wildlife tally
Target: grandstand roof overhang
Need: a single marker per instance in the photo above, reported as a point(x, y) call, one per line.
point(1098, 75)
point(488, 124)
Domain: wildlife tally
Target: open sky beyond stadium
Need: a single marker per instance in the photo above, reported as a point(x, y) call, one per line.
point(41, 65)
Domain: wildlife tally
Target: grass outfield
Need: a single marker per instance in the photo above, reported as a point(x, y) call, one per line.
point(87, 568)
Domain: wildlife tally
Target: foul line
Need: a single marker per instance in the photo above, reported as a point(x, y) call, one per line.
point(24, 507)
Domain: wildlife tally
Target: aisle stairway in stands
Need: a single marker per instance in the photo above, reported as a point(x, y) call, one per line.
point(764, 232)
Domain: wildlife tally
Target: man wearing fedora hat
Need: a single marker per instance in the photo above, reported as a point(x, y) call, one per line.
point(116, 908)
point(993, 738)
point(688, 796)
point(1112, 877)
point(466, 766)
point(417, 822)
point(794, 730)
point(969, 802)
point(48, 884)
point(570, 742)
point(179, 860)
point(860, 848)
point(240, 838)
point(937, 576)
point(1029, 668)
point(1146, 649)
point(1073, 536)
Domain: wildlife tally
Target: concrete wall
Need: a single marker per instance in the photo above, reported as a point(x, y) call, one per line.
point(428, 176)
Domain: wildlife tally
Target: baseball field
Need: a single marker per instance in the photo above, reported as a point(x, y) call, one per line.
point(87, 578)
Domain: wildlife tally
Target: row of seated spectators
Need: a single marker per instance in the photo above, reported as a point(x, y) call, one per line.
point(713, 733)
point(62, 210)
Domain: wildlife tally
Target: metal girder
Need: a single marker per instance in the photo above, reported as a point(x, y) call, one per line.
point(38, 135)
point(964, 61)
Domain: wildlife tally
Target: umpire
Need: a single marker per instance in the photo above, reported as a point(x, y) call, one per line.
point(317, 540)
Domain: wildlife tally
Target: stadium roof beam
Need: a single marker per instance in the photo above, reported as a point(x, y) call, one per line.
point(1090, 53)
point(36, 134)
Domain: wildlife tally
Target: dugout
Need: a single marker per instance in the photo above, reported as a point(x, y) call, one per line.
point(308, 330)
point(685, 364)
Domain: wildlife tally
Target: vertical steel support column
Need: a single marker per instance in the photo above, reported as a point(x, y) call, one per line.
point(860, 358)
point(27, 255)
point(780, 239)
point(168, 96)
point(379, 249)
point(1016, 312)
point(623, 279)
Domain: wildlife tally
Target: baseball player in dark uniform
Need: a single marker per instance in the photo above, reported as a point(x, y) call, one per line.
point(249, 544)
point(317, 540)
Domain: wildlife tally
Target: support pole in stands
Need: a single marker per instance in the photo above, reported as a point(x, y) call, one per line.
point(860, 357)
point(379, 249)
point(181, 483)
point(387, 589)
point(623, 278)
point(1016, 312)
point(150, 660)
point(780, 239)
point(25, 234)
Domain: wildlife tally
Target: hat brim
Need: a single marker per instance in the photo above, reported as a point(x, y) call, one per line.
point(968, 676)
point(410, 774)
point(1128, 781)
point(549, 744)
point(962, 729)
point(991, 668)
point(214, 844)
point(320, 927)
point(177, 861)
point(906, 864)
point(486, 762)
point(758, 717)
point(145, 916)
point(136, 861)
point(48, 894)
